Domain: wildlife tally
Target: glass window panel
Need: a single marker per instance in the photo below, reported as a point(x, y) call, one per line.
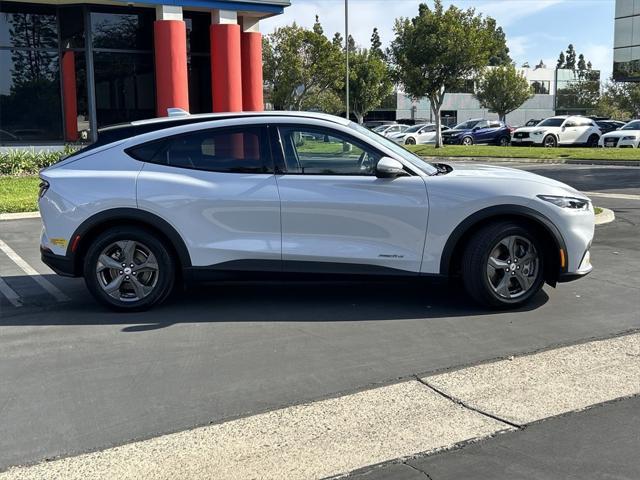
point(71, 27)
point(125, 87)
point(30, 79)
point(325, 152)
point(635, 40)
point(624, 7)
point(623, 32)
point(28, 26)
point(197, 24)
point(125, 31)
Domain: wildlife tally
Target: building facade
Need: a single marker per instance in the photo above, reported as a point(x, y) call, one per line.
point(69, 69)
point(626, 47)
point(555, 92)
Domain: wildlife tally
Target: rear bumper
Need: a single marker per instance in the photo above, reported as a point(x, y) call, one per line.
point(60, 264)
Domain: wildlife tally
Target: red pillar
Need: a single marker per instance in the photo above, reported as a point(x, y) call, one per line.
point(226, 72)
point(172, 81)
point(69, 96)
point(252, 85)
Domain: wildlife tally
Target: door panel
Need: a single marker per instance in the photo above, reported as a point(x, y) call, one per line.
point(223, 216)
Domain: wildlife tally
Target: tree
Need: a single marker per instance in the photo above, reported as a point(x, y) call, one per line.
point(302, 68)
point(438, 48)
point(501, 55)
point(619, 100)
point(376, 44)
point(502, 90)
point(561, 61)
point(570, 58)
point(369, 82)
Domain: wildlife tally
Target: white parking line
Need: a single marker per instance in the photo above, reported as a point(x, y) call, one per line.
point(619, 196)
point(33, 273)
point(10, 293)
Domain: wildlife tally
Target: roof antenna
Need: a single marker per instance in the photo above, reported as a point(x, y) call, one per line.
point(176, 112)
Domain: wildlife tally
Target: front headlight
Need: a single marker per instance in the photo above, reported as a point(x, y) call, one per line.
point(537, 133)
point(630, 137)
point(566, 202)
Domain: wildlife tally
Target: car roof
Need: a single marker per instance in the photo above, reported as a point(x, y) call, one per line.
point(121, 131)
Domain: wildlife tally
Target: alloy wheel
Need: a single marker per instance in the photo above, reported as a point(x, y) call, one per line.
point(127, 270)
point(513, 267)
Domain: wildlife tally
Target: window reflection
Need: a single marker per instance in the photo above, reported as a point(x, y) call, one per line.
point(124, 31)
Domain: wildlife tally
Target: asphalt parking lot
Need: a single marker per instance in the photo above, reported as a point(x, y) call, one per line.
point(75, 377)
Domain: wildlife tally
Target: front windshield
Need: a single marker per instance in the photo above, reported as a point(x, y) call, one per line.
point(397, 149)
point(468, 125)
point(381, 128)
point(635, 125)
point(551, 122)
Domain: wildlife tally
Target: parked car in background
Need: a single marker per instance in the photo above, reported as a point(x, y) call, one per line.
point(418, 134)
point(153, 203)
point(478, 131)
point(607, 126)
point(626, 137)
point(564, 130)
point(371, 124)
point(533, 122)
point(388, 130)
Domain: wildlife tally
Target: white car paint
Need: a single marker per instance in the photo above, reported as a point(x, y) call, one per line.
point(389, 130)
point(626, 136)
point(567, 130)
point(417, 135)
point(400, 223)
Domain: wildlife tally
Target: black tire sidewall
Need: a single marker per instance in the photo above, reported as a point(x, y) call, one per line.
point(554, 142)
point(410, 141)
point(467, 141)
point(475, 261)
point(166, 273)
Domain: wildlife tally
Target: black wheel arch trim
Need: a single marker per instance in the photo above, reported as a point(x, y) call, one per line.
point(496, 212)
point(138, 217)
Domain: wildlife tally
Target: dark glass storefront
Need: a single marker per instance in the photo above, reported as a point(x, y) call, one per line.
point(68, 70)
point(577, 92)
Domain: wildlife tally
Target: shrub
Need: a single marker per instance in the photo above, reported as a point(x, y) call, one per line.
point(29, 162)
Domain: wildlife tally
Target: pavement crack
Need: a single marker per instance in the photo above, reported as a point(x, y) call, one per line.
point(467, 406)
point(426, 475)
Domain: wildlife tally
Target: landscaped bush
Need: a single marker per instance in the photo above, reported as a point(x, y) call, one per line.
point(29, 162)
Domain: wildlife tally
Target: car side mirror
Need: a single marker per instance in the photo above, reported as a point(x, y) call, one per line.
point(389, 167)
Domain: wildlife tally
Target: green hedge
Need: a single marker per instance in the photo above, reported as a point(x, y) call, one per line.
point(29, 162)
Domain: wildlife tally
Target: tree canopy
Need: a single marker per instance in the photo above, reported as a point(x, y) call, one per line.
point(502, 90)
point(438, 48)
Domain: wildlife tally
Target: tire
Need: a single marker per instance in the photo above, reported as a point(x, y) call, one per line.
point(132, 289)
point(550, 141)
point(593, 141)
point(468, 141)
point(410, 141)
point(490, 247)
point(504, 141)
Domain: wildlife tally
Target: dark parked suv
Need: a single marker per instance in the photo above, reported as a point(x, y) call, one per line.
point(478, 131)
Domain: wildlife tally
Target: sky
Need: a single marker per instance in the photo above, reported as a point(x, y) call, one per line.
point(535, 29)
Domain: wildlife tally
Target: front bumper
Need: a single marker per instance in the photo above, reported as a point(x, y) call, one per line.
point(60, 264)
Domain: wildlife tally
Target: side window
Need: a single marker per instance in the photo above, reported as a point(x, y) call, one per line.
point(570, 123)
point(494, 124)
point(429, 128)
point(325, 152)
point(233, 150)
point(483, 124)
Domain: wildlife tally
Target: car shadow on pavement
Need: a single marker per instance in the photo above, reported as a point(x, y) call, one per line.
point(272, 301)
point(594, 179)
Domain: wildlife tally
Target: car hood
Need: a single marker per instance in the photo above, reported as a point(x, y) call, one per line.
point(621, 133)
point(485, 172)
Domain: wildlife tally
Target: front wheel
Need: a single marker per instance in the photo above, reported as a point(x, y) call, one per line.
point(550, 141)
point(410, 141)
point(504, 141)
point(502, 265)
point(467, 141)
point(129, 269)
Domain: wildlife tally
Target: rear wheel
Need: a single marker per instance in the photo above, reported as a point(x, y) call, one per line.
point(502, 265)
point(410, 141)
point(504, 141)
point(129, 269)
point(593, 141)
point(467, 141)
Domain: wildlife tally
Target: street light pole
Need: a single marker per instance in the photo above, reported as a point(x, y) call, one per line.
point(346, 47)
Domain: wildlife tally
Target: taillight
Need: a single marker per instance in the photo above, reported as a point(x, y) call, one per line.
point(44, 186)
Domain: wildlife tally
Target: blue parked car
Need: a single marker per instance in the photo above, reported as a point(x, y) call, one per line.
point(478, 131)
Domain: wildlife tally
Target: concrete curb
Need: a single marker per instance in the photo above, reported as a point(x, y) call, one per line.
point(606, 216)
point(569, 161)
point(19, 216)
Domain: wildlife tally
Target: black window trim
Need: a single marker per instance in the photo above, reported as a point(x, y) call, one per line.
point(282, 164)
point(265, 153)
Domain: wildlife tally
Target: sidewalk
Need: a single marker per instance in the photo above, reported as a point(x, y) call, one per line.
point(415, 417)
point(568, 161)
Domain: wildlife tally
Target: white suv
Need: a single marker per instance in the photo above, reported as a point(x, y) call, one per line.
point(213, 196)
point(560, 130)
